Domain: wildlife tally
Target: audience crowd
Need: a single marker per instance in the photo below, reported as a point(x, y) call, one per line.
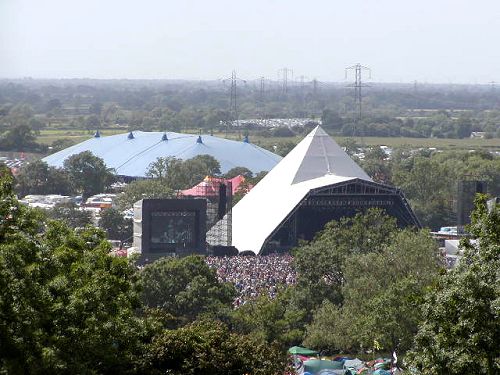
point(254, 275)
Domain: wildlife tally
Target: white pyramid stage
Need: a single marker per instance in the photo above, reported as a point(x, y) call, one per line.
point(315, 183)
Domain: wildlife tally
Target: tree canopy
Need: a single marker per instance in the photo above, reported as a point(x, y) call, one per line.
point(88, 173)
point(324, 258)
point(143, 189)
point(182, 174)
point(460, 330)
point(116, 226)
point(56, 313)
point(382, 294)
point(71, 214)
point(185, 288)
point(37, 177)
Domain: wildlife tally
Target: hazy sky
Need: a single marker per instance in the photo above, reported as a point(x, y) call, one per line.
point(401, 40)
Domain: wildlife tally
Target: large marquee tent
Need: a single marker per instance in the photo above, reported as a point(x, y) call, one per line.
point(315, 183)
point(130, 154)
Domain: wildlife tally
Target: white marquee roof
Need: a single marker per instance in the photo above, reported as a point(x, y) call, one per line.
point(131, 155)
point(315, 162)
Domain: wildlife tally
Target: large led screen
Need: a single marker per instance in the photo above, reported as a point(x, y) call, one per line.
point(173, 228)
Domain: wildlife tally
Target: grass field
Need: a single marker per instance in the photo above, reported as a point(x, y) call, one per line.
point(49, 136)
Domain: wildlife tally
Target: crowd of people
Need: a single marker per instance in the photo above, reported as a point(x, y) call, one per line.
point(254, 275)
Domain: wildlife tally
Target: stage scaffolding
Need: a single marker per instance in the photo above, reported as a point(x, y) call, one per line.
point(219, 197)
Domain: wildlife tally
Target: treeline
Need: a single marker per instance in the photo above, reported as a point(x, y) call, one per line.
point(441, 124)
point(84, 175)
point(393, 111)
point(429, 179)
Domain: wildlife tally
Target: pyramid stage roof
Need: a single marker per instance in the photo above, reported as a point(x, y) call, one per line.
point(317, 181)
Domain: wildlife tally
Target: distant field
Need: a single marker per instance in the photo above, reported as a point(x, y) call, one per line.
point(49, 136)
point(467, 143)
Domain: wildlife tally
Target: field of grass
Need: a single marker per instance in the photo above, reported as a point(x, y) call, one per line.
point(455, 144)
point(467, 143)
point(49, 136)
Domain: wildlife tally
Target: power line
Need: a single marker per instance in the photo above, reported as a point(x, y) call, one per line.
point(233, 95)
point(315, 87)
point(492, 86)
point(262, 89)
point(262, 93)
point(358, 85)
point(285, 74)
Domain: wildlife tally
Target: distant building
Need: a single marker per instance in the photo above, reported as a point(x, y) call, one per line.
point(477, 134)
point(277, 122)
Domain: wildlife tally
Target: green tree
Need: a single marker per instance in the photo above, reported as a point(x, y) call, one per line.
point(178, 174)
point(350, 145)
point(320, 264)
point(71, 214)
point(324, 258)
point(61, 144)
point(430, 186)
point(236, 171)
point(19, 138)
point(209, 348)
point(382, 294)
point(331, 119)
point(199, 167)
point(185, 288)
point(116, 226)
point(38, 178)
point(88, 173)
point(143, 189)
point(463, 127)
point(214, 117)
point(376, 165)
point(56, 314)
point(460, 331)
point(163, 166)
point(277, 320)
point(283, 148)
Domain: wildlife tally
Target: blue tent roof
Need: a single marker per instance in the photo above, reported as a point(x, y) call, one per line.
point(131, 156)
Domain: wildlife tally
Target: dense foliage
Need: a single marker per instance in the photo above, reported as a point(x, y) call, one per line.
point(460, 330)
point(116, 226)
point(430, 179)
point(185, 288)
point(70, 214)
point(88, 173)
point(382, 294)
point(68, 306)
point(208, 347)
point(56, 314)
point(36, 177)
point(320, 264)
point(82, 173)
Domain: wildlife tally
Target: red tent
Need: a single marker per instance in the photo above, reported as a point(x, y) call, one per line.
point(209, 187)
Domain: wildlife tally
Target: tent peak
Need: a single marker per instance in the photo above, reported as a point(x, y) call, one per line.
point(319, 155)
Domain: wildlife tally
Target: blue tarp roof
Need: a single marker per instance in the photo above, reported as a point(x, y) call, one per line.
point(131, 156)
